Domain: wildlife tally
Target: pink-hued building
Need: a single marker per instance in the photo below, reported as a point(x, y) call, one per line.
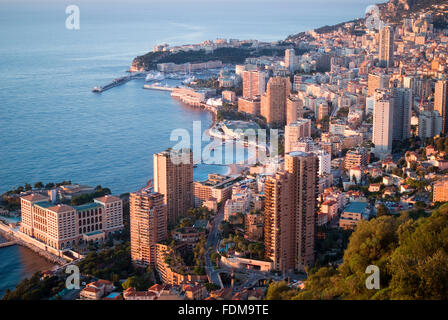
point(250, 106)
point(61, 226)
point(254, 83)
point(148, 225)
point(96, 290)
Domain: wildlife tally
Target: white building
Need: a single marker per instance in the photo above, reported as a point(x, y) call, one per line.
point(382, 124)
point(324, 162)
point(429, 124)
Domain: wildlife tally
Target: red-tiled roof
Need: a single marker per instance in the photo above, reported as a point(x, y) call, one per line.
point(108, 199)
point(157, 287)
point(35, 197)
point(61, 208)
point(91, 289)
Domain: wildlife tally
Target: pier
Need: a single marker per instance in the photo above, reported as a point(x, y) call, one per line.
point(8, 244)
point(154, 87)
point(118, 82)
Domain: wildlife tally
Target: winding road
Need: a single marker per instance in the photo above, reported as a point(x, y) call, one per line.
point(212, 246)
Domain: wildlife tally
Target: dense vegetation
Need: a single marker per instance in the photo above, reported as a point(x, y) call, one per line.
point(150, 60)
point(410, 251)
point(189, 261)
point(226, 55)
point(86, 198)
point(35, 288)
point(11, 200)
point(109, 264)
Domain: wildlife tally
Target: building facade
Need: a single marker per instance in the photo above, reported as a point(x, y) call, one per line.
point(148, 217)
point(173, 177)
point(61, 226)
point(383, 124)
point(290, 213)
point(440, 102)
point(254, 83)
point(386, 52)
point(273, 102)
point(294, 131)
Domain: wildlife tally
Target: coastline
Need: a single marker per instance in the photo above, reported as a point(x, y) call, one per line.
point(57, 261)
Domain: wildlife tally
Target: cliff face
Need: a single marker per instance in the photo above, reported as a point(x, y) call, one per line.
point(136, 66)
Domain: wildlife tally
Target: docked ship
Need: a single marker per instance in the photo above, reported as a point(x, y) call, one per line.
point(154, 76)
point(188, 80)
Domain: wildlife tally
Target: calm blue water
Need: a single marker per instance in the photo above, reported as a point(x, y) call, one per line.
point(53, 128)
point(17, 263)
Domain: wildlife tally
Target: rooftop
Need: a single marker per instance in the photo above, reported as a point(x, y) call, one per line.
point(44, 204)
point(60, 208)
point(356, 207)
point(107, 199)
point(35, 197)
point(87, 206)
point(94, 233)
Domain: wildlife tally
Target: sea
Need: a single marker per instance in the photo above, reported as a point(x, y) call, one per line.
point(53, 128)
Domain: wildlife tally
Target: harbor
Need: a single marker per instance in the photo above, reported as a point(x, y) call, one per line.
point(157, 87)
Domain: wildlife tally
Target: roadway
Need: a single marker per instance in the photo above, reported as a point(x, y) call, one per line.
point(212, 246)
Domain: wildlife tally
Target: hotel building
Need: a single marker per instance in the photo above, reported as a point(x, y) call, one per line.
point(61, 226)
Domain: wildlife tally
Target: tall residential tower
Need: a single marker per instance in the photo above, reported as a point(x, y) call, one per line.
point(173, 177)
point(148, 225)
point(290, 213)
point(273, 102)
point(440, 103)
point(386, 52)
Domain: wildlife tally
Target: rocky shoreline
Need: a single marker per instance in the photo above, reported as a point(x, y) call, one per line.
point(48, 256)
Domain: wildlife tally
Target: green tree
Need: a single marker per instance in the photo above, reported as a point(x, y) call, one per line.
point(279, 291)
point(130, 282)
point(38, 185)
point(382, 211)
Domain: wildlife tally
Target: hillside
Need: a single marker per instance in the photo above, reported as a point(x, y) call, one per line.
point(393, 12)
point(150, 60)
